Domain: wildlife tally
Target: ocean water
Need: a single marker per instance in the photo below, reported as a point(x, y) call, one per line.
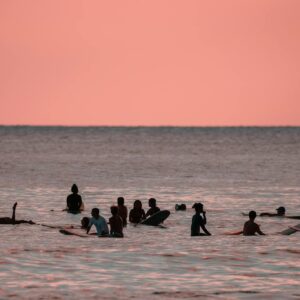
point(230, 170)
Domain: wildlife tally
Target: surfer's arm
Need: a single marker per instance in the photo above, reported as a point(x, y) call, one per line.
point(260, 232)
point(143, 215)
point(13, 217)
point(264, 214)
point(204, 229)
point(79, 201)
point(68, 202)
point(88, 229)
point(204, 218)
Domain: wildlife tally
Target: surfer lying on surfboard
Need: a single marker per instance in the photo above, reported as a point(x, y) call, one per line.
point(280, 213)
point(12, 220)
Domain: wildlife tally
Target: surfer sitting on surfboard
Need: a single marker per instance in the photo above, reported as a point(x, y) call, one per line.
point(98, 221)
point(199, 221)
point(74, 200)
point(280, 213)
point(122, 210)
point(116, 223)
point(137, 214)
point(153, 208)
point(250, 227)
point(12, 220)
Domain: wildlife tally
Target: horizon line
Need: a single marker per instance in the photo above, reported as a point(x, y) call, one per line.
point(154, 126)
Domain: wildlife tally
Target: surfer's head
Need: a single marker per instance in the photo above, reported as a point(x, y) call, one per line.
point(252, 215)
point(114, 210)
point(85, 222)
point(137, 204)
point(281, 211)
point(198, 206)
point(120, 201)
point(95, 212)
point(180, 206)
point(74, 189)
point(152, 202)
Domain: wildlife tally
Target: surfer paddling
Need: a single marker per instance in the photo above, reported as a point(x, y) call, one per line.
point(250, 227)
point(12, 220)
point(153, 208)
point(74, 201)
point(199, 221)
point(280, 213)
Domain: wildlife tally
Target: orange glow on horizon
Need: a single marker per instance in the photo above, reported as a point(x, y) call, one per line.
point(158, 62)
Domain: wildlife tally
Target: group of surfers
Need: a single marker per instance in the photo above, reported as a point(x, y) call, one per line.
point(119, 214)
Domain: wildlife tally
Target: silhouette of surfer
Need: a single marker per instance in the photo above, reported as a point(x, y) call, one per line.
point(280, 213)
point(250, 227)
point(123, 213)
point(153, 208)
point(137, 214)
point(199, 221)
point(99, 222)
point(180, 207)
point(116, 223)
point(74, 201)
point(12, 220)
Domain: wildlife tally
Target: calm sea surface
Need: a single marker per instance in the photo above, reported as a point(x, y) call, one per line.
point(230, 170)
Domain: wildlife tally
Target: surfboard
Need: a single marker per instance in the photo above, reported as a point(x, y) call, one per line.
point(291, 230)
point(293, 217)
point(82, 233)
point(157, 218)
point(75, 232)
point(234, 233)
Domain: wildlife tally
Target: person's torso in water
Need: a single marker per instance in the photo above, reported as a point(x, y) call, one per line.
point(250, 228)
point(74, 202)
point(136, 215)
point(122, 210)
point(153, 210)
point(197, 221)
point(116, 225)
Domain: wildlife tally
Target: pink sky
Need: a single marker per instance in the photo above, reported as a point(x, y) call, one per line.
point(155, 62)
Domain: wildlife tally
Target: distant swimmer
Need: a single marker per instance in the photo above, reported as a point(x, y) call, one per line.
point(99, 222)
point(116, 223)
point(74, 201)
point(153, 208)
point(280, 213)
point(122, 209)
point(250, 227)
point(12, 220)
point(137, 214)
point(180, 207)
point(198, 221)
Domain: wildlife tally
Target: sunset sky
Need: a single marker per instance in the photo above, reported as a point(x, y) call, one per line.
point(155, 62)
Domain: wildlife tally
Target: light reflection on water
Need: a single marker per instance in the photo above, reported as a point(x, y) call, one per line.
point(230, 170)
point(151, 262)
